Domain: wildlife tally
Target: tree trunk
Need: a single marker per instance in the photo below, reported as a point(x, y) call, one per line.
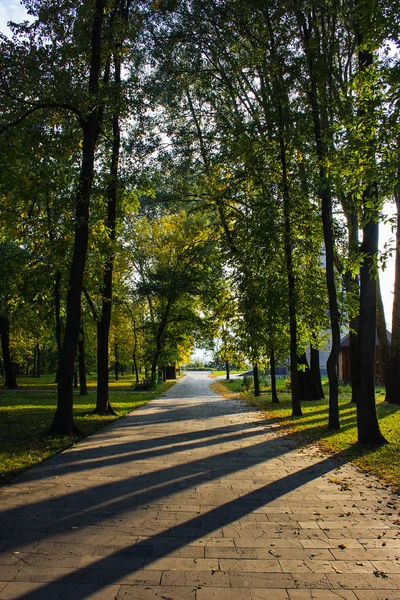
point(321, 132)
point(294, 376)
point(353, 292)
point(116, 363)
point(63, 422)
point(103, 405)
point(227, 370)
point(34, 361)
point(316, 371)
point(256, 376)
point(57, 304)
point(38, 360)
point(273, 376)
point(135, 369)
point(10, 379)
point(367, 421)
point(81, 363)
point(393, 384)
point(307, 385)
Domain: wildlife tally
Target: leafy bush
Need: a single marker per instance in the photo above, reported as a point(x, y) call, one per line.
point(248, 382)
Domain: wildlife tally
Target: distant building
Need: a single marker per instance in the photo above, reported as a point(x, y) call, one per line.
point(344, 360)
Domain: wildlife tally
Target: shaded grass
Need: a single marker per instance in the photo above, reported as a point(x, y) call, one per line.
point(47, 382)
point(382, 462)
point(26, 415)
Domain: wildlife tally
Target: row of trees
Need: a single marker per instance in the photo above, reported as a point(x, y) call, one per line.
point(229, 153)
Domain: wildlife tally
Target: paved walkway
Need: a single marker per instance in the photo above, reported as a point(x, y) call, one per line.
point(194, 497)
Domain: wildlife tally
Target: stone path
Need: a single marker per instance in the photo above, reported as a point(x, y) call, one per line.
point(195, 497)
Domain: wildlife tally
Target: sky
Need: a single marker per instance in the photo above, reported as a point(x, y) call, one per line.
point(12, 10)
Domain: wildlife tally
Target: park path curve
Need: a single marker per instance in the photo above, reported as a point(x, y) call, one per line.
point(197, 497)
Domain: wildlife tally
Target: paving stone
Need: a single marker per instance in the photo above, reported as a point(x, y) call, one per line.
point(223, 594)
point(321, 595)
point(270, 594)
point(134, 592)
point(194, 496)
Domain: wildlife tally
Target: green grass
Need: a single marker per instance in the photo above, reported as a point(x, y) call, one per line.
point(47, 382)
point(223, 373)
point(25, 416)
point(383, 461)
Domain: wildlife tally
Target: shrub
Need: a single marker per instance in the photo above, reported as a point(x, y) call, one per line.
point(248, 382)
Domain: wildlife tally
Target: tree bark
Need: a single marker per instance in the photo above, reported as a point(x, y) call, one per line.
point(275, 398)
point(10, 379)
point(116, 363)
point(81, 363)
point(103, 405)
point(321, 133)
point(63, 422)
point(227, 370)
point(134, 358)
point(307, 385)
point(393, 384)
point(37, 360)
point(367, 421)
point(57, 304)
point(256, 375)
point(316, 371)
point(352, 290)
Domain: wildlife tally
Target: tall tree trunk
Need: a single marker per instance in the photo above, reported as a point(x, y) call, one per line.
point(275, 398)
point(34, 361)
point(353, 293)
point(134, 358)
point(37, 360)
point(81, 363)
point(227, 370)
point(57, 304)
point(136, 369)
point(63, 422)
point(10, 379)
point(308, 386)
point(316, 371)
point(288, 248)
point(116, 362)
point(367, 421)
point(103, 405)
point(256, 375)
point(321, 133)
point(279, 86)
point(393, 385)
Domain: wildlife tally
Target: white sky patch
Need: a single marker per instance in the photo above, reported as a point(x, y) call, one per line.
point(11, 10)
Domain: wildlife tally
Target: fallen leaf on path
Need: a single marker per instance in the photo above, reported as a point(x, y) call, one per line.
point(382, 574)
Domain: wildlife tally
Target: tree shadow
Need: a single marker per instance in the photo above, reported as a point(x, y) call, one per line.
point(68, 515)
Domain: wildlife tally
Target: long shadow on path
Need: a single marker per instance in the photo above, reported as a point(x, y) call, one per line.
point(69, 513)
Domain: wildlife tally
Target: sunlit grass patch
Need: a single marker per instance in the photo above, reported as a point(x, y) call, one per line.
point(26, 415)
point(382, 461)
point(47, 382)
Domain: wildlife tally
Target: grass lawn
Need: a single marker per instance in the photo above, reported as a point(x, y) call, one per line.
point(383, 462)
point(223, 373)
point(25, 415)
